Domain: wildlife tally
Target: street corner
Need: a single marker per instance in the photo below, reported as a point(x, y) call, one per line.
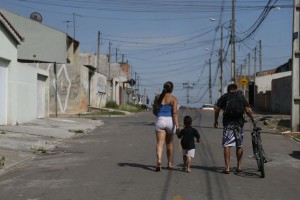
point(79, 125)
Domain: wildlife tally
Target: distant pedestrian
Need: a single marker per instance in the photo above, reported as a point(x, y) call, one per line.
point(188, 135)
point(234, 105)
point(165, 108)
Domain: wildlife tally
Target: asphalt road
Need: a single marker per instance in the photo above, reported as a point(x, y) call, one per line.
point(117, 161)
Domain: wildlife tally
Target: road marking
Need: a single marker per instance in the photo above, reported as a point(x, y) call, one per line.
point(177, 197)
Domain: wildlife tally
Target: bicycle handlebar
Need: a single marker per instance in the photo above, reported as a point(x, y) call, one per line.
point(264, 118)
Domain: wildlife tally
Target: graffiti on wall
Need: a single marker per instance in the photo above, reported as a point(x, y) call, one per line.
point(101, 89)
point(63, 87)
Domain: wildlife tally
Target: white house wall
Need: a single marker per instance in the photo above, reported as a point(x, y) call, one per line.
point(264, 83)
point(22, 93)
point(8, 59)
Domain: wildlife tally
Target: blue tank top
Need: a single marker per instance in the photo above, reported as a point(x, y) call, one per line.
point(165, 110)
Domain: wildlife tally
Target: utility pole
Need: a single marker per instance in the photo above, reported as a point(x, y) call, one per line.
point(249, 66)
point(233, 43)
point(209, 83)
point(187, 86)
point(109, 52)
point(221, 64)
point(109, 81)
point(244, 67)
point(260, 56)
point(116, 55)
point(254, 62)
point(295, 108)
point(74, 24)
point(98, 51)
point(135, 87)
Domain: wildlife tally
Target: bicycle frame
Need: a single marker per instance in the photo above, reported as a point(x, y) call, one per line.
point(258, 151)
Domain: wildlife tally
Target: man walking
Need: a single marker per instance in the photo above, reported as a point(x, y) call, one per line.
point(234, 105)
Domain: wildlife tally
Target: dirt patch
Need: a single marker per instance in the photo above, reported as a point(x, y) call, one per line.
point(293, 134)
point(280, 125)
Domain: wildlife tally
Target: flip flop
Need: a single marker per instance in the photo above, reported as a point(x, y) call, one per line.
point(158, 167)
point(226, 172)
point(239, 170)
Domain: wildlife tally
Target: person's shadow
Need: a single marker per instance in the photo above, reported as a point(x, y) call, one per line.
point(136, 165)
point(247, 172)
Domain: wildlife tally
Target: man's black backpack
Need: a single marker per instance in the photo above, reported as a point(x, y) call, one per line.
point(234, 107)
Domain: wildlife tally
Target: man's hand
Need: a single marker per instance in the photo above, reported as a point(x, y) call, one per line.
point(216, 124)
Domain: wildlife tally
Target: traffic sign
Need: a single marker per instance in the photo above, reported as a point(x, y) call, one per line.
point(244, 81)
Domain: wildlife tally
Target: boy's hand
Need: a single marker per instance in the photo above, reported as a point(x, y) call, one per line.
point(177, 131)
point(216, 124)
point(198, 141)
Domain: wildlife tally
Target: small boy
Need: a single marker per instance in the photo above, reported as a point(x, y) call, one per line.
point(187, 135)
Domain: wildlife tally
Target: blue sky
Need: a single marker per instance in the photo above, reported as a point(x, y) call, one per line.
point(171, 40)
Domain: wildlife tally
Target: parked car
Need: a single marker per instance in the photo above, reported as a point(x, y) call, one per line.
point(208, 107)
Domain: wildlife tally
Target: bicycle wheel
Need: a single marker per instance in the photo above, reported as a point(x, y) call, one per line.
point(260, 159)
point(255, 151)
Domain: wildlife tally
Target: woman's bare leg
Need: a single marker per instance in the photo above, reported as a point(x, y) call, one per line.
point(169, 143)
point(160, 140)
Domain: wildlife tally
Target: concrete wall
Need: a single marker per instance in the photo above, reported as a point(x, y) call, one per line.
point(115, 90)
point(281, 95)
point(77, 88)
point(266, 95)
point(98, 86)
point(70, 92)
point(46, 43)
point(264, 83)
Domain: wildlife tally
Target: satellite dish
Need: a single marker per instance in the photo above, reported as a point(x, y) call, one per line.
point(36, 16)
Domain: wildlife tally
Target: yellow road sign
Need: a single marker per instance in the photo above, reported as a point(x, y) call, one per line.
point(244, 81)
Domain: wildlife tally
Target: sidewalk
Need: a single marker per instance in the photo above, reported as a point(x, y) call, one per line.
point(25, 141)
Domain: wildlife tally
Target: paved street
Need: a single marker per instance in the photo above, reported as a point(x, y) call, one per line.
point(117, 161)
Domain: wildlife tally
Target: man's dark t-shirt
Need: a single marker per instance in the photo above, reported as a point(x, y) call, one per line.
point(222, 102)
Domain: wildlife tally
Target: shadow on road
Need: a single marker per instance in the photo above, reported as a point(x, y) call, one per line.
point(247, 173)
point(146, 167)
point(295, 154)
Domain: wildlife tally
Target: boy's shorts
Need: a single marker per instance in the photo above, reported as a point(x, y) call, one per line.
point(188, 152)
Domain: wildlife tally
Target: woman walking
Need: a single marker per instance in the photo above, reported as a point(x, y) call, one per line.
point(165, 108)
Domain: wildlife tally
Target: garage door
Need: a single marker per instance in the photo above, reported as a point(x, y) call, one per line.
point(3, 92)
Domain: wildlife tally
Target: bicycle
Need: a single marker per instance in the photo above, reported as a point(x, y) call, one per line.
point(258, 151)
